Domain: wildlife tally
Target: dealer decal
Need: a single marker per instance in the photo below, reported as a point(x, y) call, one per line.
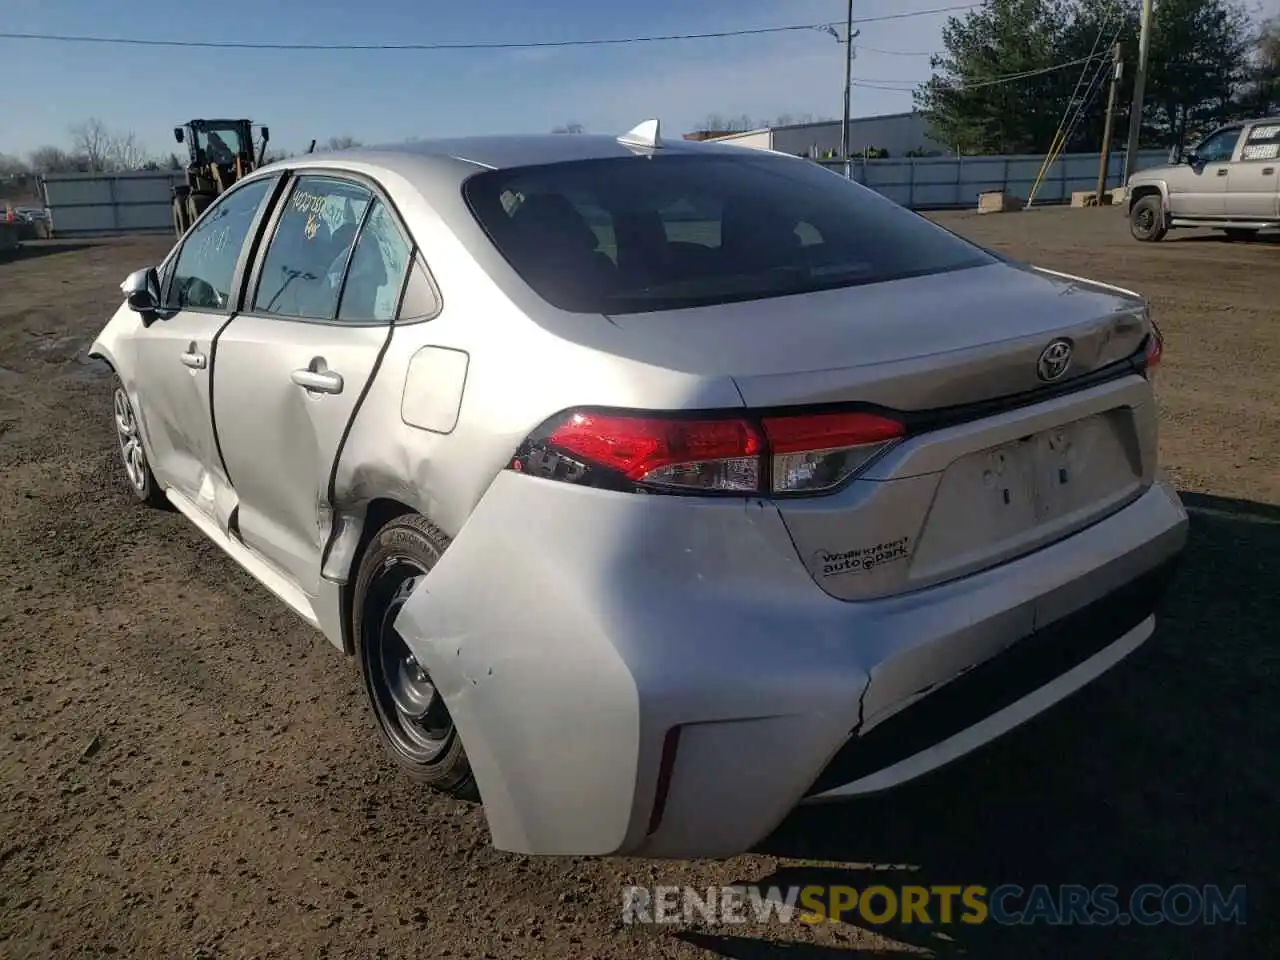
point(862, 559)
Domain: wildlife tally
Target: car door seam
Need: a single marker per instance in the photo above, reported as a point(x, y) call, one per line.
point(331, 487)
point(213, 419)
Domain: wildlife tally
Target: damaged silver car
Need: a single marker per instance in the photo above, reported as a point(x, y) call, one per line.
point(656, 487)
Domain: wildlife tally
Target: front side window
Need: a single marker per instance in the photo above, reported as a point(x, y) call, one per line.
point(221, 144)
point(302, 273)
point(205, 266)
point(632, 235)
point(1218, 147)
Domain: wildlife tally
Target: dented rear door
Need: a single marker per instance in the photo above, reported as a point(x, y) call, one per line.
point(291, 371)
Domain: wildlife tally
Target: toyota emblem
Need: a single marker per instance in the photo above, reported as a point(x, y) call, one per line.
point(1054, 361)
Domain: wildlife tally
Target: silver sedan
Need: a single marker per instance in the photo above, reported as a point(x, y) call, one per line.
point(656, 487)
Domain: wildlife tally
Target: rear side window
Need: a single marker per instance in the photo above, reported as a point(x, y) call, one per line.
point(632, 235)
point(302, 273)
point(377, 269)
point(1263, 143)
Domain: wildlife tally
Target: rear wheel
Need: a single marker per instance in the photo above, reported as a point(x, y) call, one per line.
point(1146, 219)
point(413, 719)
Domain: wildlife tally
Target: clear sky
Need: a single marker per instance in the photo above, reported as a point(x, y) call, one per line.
point(381, 96)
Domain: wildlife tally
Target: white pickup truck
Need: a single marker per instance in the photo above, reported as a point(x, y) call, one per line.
point(1230, 181)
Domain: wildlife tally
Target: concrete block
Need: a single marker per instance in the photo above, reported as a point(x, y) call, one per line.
point(1089, 198)
point(998, 201)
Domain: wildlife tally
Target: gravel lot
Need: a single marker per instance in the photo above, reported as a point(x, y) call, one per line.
point(190, 771)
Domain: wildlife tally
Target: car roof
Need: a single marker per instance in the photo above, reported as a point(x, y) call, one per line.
point(510, 150)
point(437, 167)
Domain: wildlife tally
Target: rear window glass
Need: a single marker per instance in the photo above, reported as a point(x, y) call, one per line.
point(633, 235)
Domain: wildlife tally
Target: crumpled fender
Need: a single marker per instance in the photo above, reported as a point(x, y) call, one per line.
point(570, 630)
point(491, 629)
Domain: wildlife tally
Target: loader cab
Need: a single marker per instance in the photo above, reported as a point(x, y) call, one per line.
point(219, 152)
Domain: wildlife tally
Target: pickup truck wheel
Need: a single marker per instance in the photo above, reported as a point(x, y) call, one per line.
point(412, 717)
point(1146, 219)
point(133, 456)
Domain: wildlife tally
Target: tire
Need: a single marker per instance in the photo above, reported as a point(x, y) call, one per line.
point(1146, 219)
point(197, 203)
point(133, 455)
point(412, 718)
point(1237, 235)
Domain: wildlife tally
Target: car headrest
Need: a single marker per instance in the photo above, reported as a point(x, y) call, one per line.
point(550, 217)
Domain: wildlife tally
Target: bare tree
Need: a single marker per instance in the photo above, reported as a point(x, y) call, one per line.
point(104, 151)
point(718, 123)
point(56, 160)
point(569, 128)
point(125, 153)
point(342, 143)
point(12, 167)
point(91, 140)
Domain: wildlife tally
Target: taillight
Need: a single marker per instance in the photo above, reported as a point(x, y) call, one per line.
point(1154, 347)
point(822, 451)
point(807, 453)
point(697, 454)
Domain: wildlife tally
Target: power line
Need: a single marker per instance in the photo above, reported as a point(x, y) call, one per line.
point(479, 45)
point(894, 53)
point(882, 83)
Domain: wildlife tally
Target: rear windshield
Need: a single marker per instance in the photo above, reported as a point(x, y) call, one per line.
point(633, 235)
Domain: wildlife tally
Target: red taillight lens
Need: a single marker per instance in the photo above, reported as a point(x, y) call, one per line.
point(1155, 347)
point(821, 451)
point(697, 454)
point(799, 454)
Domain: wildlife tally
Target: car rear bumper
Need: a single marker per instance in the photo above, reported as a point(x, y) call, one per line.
point(661, 676)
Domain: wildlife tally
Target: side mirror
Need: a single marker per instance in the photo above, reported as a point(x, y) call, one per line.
point(142, 293)
point(266, 134)
point(177, 134)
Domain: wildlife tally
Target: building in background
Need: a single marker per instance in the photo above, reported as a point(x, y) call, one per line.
point(900, 134)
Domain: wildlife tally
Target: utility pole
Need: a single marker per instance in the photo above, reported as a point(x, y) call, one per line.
point(848, 87)
point(1139, 88)
point(1104, 162)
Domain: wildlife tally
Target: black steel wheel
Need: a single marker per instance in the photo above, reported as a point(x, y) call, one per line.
point(412, 717)
point(1146, 219)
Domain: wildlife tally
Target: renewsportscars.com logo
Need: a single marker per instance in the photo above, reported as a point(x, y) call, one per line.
point(1008, 904)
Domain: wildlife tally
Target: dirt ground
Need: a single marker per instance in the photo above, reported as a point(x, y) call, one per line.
point(187, 770)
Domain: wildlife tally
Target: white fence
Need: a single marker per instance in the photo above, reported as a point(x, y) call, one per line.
point(87, 204)
point(104, 204)
point(940, 183)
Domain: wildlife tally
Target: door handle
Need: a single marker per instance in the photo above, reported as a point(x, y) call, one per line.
point(194, 359)
point(1222, 171)
point(318, 381)
point(1268, 171)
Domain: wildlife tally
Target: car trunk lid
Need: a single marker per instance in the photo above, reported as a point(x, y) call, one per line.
point(1000, 458)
